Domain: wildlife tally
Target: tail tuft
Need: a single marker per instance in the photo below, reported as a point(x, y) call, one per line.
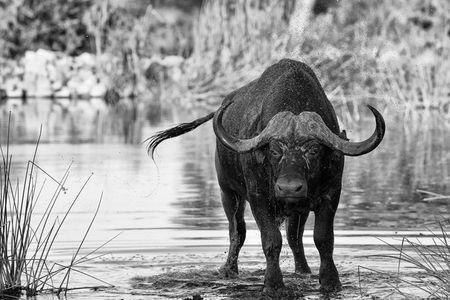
point(155, 140)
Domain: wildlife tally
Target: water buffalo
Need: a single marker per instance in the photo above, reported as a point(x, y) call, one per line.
point(279, 147)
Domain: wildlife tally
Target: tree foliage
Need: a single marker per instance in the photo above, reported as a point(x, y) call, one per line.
point(50, 24)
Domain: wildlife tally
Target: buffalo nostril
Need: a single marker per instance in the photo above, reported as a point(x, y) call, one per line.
point(279, 187)
point(289, 187)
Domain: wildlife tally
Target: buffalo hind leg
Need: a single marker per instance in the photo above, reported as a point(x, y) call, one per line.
point(234, 207)
point(295, 226)
point(324, 240)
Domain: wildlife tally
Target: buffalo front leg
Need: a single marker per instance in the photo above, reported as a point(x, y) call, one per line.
point(271, 242)
point(324, 241)
point(295, 226)
point(234, 208)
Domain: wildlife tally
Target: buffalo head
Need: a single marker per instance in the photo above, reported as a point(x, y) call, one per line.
point(295, 146)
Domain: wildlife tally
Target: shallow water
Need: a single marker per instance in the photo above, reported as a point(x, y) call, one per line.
point(173, 207)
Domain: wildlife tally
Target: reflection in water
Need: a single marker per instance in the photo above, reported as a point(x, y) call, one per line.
point(199, 204)
point(75, 121)
point(379, 189)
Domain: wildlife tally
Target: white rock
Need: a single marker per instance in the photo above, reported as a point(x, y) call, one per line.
point(34, 64)
point(86, 85)
point(43, 87)
point(64, 92)
point(16, 93)
point(46, 54)
point(98, 90)
point(85, 59)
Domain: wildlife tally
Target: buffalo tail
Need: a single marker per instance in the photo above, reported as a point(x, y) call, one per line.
point(156, 139)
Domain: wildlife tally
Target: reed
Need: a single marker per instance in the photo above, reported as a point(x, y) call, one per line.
point(390, 52)
point(427, 265)
point(27, 238)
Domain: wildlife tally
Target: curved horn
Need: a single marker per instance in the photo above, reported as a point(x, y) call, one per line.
point(275, 127)
point(330, 139)
point(307, 123)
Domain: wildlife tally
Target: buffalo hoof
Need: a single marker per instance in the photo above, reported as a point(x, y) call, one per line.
point(275, 293)
point(228, 272)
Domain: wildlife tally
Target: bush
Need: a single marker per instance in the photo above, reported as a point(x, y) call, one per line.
point(49, 24)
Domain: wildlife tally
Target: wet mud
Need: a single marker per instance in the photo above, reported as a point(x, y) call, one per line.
point(209, 284)
point(197, 276)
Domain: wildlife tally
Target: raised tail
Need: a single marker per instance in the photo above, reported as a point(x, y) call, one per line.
point(156, 139)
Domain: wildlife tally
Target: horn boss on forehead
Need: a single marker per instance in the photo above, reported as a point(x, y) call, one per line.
point(306, 123)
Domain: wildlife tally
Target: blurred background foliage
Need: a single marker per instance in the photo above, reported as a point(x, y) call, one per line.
point(49, 24)
point(394, 50)
point(76, 26)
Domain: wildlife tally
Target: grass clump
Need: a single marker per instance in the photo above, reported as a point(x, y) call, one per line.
point(433, 261)
point(26, 237)
point(422, 266)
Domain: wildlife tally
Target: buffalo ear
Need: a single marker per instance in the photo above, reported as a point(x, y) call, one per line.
point(259, 156)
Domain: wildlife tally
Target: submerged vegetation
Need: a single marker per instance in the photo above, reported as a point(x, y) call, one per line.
point(27, 237)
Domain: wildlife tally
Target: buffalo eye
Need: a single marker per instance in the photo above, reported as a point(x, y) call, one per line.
point(275, 152)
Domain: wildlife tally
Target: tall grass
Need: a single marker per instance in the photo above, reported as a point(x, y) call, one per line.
point(26, 237)
point(431, 261)
point(388, 51)
point(427, 265)
point(233, 42)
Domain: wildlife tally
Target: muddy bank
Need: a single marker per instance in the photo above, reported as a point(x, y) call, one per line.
point(193, 274)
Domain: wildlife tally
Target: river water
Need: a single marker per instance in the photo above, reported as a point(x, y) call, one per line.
point(173, 206)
